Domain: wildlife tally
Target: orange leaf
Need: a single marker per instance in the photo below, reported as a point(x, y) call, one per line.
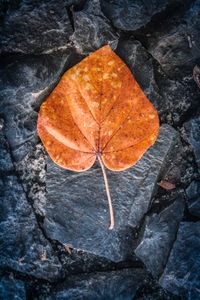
point(98, 110)
point(166, 185)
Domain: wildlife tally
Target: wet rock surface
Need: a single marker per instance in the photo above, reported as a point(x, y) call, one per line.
point(48, 214)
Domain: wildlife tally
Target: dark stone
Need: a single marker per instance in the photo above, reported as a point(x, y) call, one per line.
point(131, 15)
point(182, 273)
point(25, 83)
point(92, 29)
point(35, 27)
point(77, 210)
point(192, 128)
point(193, 193)
point(32, 172)
point(12, 289)
point(171, 98)
point(176, 46)
point(159, 234)
point(23, 245)
point(116, 285)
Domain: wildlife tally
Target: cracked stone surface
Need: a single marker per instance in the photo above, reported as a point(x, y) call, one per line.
point(193, 134)
point(131, 15)
point(159, 234)
point(24, 83)
point(23, 246)
point(34, 27)
point(77, 210)
point(46, 210)
point(193, 193)
point(92, 29)
point(171, 98)
point(101, 285)
point(182, 273)
point(12, 289)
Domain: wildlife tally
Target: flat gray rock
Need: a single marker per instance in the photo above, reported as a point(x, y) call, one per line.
point(159, 234)
point(23, 246)
point(131, 15)
point(193, 193)
point(24, 84)
point(118, 285)
point(77, 209)
point(35, 27)
point(92, 30)
point(12, 289)
point(192, 128)
point(182, 273)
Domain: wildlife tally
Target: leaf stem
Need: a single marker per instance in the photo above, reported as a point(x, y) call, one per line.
point(107, 191)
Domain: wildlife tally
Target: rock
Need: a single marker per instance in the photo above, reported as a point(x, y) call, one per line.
point(182, 273)
point(131, 15)
point(192, 128)
point(12, 289)
point(32, 172)
point(23, 245)
point(121, 284)
point(159, 234)
point(176, 46)
point(153, 291)
point(171, 98)
point(77, 210)
point(92, 29)
point(193, 193)
point(24, 85)
point(35, 27)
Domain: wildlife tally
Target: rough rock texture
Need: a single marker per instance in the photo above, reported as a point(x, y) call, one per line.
point(77, 210)
point(193, 193)
point(12, 289)
point(92, 29)
point(23, 246)
point(159, 41)
point(193, 133)
point(35, 27)
point(23, 85)
point(176, 46)
point(104, 285)
point(171, 98)
point(159, 234)
point(32, 171)
point(131, 15)
point(182, 273)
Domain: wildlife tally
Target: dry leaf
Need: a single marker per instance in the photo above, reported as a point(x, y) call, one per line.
point(20, 260)
point(43, 256)
point(67, 248)
point(166, 185)
point(98, 110)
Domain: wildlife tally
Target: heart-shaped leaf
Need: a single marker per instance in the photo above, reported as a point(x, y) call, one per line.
point(98, 110)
